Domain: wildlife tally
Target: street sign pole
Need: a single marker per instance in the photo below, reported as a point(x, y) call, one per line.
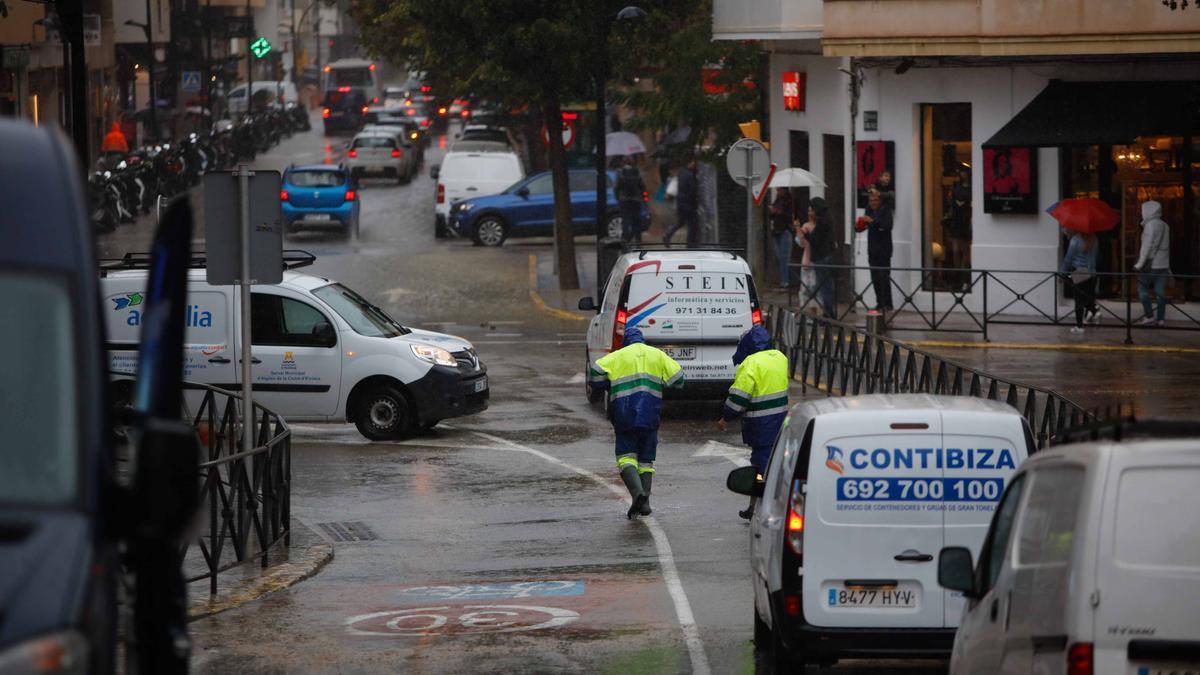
point(243, 174)
point(749, 165)
point(753, 231)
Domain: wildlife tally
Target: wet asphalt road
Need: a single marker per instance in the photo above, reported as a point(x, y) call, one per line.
point(496, 543)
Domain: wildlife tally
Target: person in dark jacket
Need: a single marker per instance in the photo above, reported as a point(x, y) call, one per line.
point(630, 188)
point(686, 205)
point(635, 376)
point(782, 214)
point(759, 396)
point(820, 246)
point(879, 249)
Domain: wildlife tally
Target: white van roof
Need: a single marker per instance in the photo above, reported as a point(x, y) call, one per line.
point(295, 280)
point(709, 261)
point(1146, 451)
point(900, 403)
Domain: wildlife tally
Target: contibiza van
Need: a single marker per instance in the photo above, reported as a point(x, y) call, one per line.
point(321, 352)
point(693, 304)
point(860, 495)
point(1091, 565)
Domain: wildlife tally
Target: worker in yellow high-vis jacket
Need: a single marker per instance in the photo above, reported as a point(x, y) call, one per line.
point(635, 376)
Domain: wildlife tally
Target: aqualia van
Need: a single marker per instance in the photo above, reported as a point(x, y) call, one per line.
point(860, 495)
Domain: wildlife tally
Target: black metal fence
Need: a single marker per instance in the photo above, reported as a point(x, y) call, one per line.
point(841, 360)
point(247, 494)
point(970, 301)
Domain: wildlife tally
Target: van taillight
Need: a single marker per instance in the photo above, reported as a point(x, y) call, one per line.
point(1079, 659)
point(396, 153)
point(352, 153)
point(619, 329)
point(756, 317)
point(325, 113)
point(795, 520)
point(441, 194)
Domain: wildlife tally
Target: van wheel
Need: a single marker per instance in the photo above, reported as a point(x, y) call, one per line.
point(383, 415)
point(762, 633)
point(614, 226)
point(490, 231)
point(784, 660)
point(593, 396)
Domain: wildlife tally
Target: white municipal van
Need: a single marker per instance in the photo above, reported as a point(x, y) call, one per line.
point(321, 352)
point(463, 175)
point(859, 497)
point(691, 303)
point(1091, 565)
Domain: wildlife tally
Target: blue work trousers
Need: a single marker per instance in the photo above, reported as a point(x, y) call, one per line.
point(642, 442)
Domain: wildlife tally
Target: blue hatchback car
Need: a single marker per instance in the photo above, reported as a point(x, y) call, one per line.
point(319, 196)
point(526, 209)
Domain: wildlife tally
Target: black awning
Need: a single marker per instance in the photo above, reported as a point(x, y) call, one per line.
point(1103, 113)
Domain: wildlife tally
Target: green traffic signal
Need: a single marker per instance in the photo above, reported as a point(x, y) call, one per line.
point(260, 47)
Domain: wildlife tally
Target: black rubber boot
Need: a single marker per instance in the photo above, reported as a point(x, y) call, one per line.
point(748, 513)
point(629, 475)
point(647, 480)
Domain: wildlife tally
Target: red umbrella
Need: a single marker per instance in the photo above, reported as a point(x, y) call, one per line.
point(1085, 214)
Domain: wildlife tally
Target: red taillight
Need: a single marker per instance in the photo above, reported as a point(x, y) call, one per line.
point(619, 329)
point(343, 89)
point(1079, 659)
point(371, 67)
point(283, 195)
point(325, 113)
point(441, 194)
point(466, 113)
point(795, 520)
point(791, 605)
point(396, 153)
point(425, 89)
point(351, 195)
point(426, 122)
point(645, 197)
point(352, 153)
point(756, 317)
point(328, 69)
point(375, 100)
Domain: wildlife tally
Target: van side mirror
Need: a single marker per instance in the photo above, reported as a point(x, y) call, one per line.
point(744, 481)
point(956, 572)
point(323, 334)
point(587, 304)
point(434, 170)
point(523, 193)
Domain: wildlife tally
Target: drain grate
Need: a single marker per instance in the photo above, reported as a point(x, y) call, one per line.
point(352, 530)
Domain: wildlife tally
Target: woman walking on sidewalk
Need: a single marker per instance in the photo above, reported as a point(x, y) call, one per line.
point(1079, 267)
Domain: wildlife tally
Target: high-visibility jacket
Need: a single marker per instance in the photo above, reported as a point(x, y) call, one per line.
point(114, 141)
point(759, 394)
point(635, 376)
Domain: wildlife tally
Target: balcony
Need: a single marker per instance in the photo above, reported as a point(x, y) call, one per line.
point(767, 19)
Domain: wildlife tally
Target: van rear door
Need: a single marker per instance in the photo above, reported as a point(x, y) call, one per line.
point(873, 521)
point(1148, 572)
point(981, 452)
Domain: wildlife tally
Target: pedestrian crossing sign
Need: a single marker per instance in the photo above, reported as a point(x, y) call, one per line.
point(189, 80)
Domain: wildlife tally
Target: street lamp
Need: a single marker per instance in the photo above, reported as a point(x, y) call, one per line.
point(149, 71)
point(627, 14)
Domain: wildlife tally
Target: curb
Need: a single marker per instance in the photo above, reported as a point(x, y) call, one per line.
point(537, 299)
point(302, 562)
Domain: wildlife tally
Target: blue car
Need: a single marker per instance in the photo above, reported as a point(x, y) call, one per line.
point(319, 196)
point(526, 209)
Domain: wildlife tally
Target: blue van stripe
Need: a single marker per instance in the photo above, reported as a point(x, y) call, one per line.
point(638, 317)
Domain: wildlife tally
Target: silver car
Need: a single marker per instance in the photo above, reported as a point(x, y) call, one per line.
point(381, 152)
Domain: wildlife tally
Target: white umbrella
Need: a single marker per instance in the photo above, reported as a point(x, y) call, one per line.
point(620, 143)
point(795, 177)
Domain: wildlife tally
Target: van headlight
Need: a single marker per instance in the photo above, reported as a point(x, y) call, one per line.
point(65, 652)
point(435, 355)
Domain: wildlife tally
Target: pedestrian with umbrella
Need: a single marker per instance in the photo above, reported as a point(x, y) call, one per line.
point(1081, 220)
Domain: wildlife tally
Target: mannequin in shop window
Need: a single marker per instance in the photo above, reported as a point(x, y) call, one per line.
point(956, 228)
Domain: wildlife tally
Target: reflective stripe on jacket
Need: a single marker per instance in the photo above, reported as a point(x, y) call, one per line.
point(635, 376)
point(759, 396)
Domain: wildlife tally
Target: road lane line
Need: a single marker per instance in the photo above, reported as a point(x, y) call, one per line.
point(733, 453)
point(666, 559)
point(537, 297)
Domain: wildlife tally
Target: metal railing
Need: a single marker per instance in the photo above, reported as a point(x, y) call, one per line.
point(941, 299)
point(247, 494)
point(842, 360)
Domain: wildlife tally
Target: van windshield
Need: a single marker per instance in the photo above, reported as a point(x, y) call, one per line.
point(365, 318)
point(38, 394)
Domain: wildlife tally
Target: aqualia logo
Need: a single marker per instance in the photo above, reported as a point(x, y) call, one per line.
point(834, 460)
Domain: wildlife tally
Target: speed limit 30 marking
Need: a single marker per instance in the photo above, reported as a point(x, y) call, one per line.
point(462, 620)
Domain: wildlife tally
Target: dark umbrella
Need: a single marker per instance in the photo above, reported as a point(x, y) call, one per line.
point(1087, 215)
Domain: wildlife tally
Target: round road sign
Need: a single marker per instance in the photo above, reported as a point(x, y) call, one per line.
point(748, 162)
point(568, 134)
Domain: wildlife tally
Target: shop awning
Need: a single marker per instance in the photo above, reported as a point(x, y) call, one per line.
point(1103, 113)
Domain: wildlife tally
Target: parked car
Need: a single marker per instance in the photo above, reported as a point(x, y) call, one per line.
point(319, 196)
point(470, 174)
point(1091, 565)
point(526, 209)
point(381, 151)
point(321, 352)
point(693, 304)
point(343, 109)
point(859, 496)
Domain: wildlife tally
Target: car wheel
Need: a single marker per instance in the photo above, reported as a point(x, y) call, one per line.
point(762, 633)
point(614, 226)
point(383, 414)
point(593, 396)
point(490, 231)
point(440, 231)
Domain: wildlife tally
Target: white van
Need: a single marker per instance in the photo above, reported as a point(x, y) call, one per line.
point(471, 174)
point(280, 92)
point(693, 304)
point(1091, 565)
point(320, 351)
point(355, 73)
point(860, 495)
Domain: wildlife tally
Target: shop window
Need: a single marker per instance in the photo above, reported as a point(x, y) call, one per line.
point(946, 209)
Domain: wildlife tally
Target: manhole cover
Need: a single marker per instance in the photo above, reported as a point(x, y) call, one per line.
point(351, 530)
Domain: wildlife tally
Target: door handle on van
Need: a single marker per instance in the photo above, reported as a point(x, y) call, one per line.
point(253, 359)
point(219, 359)
point(912, 556)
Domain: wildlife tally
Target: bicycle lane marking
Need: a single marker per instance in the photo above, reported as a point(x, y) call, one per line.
point(666, 559)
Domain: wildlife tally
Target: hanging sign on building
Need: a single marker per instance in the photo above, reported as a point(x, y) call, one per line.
point(871, 160)
point(1009, 180)
point(793, 91)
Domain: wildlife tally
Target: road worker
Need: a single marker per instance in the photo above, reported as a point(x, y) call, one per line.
point(759, 396)
point(635, 376)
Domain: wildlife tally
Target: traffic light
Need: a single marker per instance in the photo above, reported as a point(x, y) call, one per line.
point(751, 129)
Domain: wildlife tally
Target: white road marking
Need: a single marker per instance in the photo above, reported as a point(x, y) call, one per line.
point(666, 559)
point(509, 335)
point(577, 378)
point(732, 453)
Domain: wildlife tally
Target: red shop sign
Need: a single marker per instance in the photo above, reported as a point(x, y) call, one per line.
point(793, 91)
